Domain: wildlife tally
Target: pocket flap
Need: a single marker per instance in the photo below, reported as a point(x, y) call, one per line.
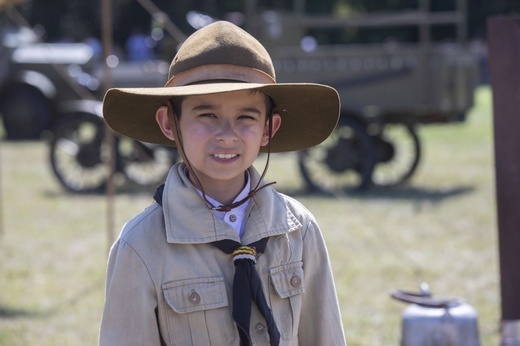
point(288, 280)
point(190, 295)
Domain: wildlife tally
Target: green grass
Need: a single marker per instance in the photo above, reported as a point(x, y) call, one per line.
point(439, 229)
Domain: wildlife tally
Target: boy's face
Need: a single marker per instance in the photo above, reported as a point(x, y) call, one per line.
point(222, 134)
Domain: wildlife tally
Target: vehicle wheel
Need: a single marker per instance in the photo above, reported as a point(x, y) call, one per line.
point(145, 164)
point(26, 113)
point(78, 153)
point(398, 154)
point(343, 163)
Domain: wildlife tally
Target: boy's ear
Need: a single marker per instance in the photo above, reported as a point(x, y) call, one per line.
point(163, 120)
point(276, 119)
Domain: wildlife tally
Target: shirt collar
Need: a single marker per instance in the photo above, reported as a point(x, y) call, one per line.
point(235, 217)
point(188, 219)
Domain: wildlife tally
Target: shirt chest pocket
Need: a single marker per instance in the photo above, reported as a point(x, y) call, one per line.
point(288, 284)
point(197, 312)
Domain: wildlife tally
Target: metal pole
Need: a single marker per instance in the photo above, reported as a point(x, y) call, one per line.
point(504, 53)
point(106, 22)
point(462, 26)
point(1, 197)
point(299, 7)
point(170, 27)
point(250, 9)
point(426, 48)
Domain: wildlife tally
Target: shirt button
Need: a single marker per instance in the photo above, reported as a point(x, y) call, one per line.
point(232, 217)
point(260, 328)
point(296, 281)
point(194, 297)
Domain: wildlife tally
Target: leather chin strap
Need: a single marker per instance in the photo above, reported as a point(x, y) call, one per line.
point(174, 123)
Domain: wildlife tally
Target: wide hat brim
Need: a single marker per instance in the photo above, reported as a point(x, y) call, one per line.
point(309, 111)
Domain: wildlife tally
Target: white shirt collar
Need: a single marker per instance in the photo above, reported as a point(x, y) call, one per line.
point(237, 216)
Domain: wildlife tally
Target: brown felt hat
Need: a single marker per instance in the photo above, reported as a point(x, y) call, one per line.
point(222, 57)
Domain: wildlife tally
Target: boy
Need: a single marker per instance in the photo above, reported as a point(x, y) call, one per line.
point(221, 258)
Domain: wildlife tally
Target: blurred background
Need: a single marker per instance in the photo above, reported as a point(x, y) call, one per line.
point(404, 188)
point(75, 20)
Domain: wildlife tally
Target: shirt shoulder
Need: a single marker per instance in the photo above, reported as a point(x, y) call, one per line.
point(297, 208)
point(145, 226)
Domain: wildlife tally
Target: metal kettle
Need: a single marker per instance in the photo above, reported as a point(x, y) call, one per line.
point(430, 321)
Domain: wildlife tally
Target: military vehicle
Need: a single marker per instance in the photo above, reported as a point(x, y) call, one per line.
point(54, 90)
point(38, 79)
point(387, 88)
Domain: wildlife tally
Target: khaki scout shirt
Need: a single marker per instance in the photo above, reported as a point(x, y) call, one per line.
point(168, 285)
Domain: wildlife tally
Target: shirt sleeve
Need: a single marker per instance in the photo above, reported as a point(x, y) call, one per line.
point(130, 312)
point(320, 321)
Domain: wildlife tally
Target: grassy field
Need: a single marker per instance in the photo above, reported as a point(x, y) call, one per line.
point(439, 229)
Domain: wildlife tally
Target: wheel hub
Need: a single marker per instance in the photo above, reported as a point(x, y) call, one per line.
point(386, 151)
point(342, 156)
point(89, 155)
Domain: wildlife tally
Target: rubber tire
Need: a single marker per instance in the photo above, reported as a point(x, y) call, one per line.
point(359, 158)
point(145, 164)
point(88, 157)
point(404, 160)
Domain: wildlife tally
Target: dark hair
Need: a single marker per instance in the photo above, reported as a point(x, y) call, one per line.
point(176, 102)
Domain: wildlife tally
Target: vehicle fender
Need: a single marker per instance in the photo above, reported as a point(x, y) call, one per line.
point(93, 107)
point(352, 115)
point(34, 79)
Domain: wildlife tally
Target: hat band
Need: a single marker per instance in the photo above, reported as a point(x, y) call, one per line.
point(220, 72)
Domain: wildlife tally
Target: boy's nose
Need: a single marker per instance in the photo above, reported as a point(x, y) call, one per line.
point(226, 132)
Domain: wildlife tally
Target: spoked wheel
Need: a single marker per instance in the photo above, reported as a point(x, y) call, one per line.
point(343, 163)
point(145, 164)
point(78, 153)
point(398, 154)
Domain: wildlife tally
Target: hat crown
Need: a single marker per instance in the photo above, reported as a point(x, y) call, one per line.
point(221, 43)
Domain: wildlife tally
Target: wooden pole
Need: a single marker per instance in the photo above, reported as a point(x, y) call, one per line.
point(1, 197)
point(504, 53)
point(106, 22)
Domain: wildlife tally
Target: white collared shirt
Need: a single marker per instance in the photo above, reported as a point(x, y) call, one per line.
point(236, 217)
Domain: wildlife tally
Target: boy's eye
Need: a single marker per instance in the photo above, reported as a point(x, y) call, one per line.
point(247, 117)
point(207, 115)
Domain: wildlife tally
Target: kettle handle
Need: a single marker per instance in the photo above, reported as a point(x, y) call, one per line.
point(425, 299)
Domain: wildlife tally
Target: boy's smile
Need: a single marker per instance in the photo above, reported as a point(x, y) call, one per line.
point(222, 135)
